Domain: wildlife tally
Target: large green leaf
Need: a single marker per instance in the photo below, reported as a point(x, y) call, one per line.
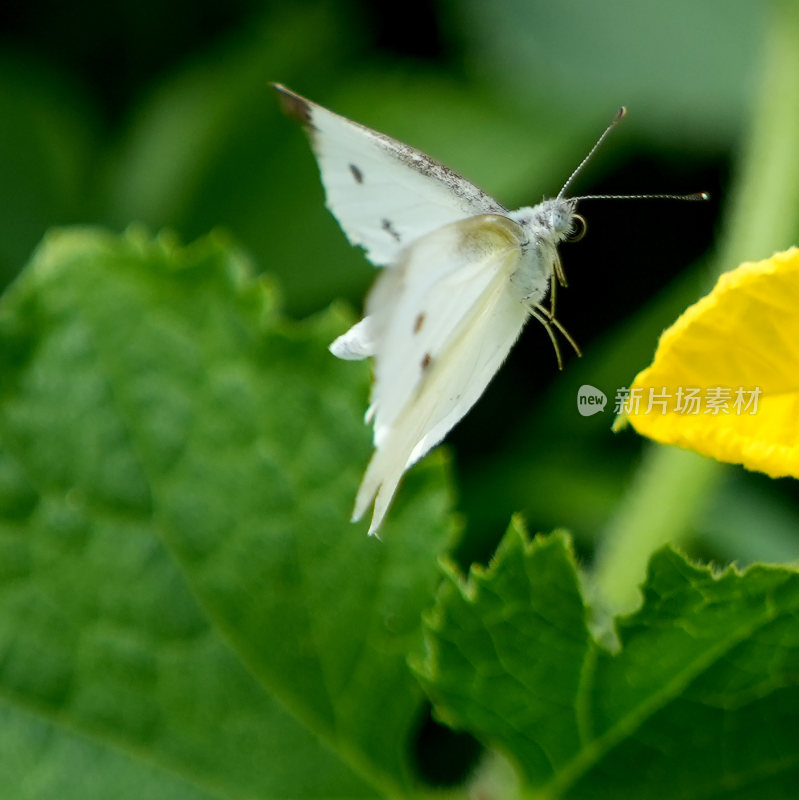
point(700, 700)
point(186, 610)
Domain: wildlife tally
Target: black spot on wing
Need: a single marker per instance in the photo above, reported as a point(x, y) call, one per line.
point(356, 173)
point(426, 361)
point(388, 227)
point(417, 326)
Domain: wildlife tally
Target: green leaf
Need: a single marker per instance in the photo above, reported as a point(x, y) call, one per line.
point(186, 610)
point(699, 701)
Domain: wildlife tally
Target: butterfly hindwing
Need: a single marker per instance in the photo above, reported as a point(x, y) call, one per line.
point(445, 319)
point(385, 194)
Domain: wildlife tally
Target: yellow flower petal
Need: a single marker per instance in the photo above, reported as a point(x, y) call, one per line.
point(743, 338)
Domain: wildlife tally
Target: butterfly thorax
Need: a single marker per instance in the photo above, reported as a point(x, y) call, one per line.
point(545, 225)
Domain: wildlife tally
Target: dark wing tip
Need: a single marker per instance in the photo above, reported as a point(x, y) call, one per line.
point(293, 104)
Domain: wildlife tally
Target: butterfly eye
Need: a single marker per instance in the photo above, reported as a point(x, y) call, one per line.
point(581, 226)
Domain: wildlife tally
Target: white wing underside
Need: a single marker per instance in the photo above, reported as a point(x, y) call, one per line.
point(440, 324)
point(384, 193)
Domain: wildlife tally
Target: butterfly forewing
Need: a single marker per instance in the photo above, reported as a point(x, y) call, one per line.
point(384, 193)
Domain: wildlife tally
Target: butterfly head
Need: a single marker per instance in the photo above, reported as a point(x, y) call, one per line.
point(553, 220)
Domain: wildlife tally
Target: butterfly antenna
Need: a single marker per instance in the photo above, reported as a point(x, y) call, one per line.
point(692, 197)
point(616, 120)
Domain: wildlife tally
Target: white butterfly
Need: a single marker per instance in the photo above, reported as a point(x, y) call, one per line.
point(462, 276)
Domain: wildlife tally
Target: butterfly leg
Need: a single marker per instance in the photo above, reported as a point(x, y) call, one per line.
point(542, 315)
point(545, 316)
point(557, 267)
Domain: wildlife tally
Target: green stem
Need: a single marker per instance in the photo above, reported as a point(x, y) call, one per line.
point(671, 484)
point(762, 216)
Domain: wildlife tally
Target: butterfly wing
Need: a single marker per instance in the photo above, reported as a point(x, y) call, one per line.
point(384, 194)
point(443, 321)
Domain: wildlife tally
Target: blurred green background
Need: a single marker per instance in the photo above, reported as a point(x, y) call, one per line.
point(117, 112)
